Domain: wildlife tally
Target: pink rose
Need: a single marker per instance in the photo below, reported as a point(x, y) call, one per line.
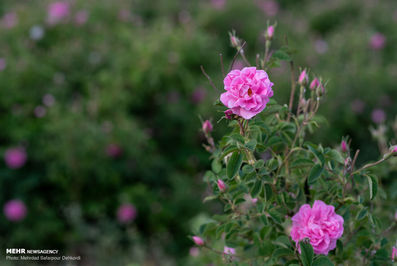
point(320, 224)
point(15, 210)
point(221, 185)
point(229, 251)
point(247, 91)
point(57, 11)
point(126, 213)
point(15, 157)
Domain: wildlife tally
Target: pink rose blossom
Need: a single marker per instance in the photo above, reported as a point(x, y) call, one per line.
point(229, 251)
point(9, 20)
point(15, 210)
point(198, 241)
point(320, 224)
point(247, 91)
point(81, 17)
point(113, 150)
point(378, 116)
point(221, 185)
point(207, 127)
point(378, 41)
point(126, 213)
point(58, 11)
point(394, 254)
point(15, 157)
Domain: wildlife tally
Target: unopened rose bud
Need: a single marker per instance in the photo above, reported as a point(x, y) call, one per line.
point(393, 149)
point(198, 241)
point(234, 41)
point(221, 185)
point(343, 146)
point(207, 127)
point(394, 253)
point(314, 84)
point(269, 32)
point(228, 114)
point(303, 78)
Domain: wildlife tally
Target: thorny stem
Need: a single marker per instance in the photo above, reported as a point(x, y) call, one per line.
point(385, 158)
point(209, 78)
point(235, 56)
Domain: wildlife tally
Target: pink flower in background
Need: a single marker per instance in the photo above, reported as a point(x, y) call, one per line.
point(113, 150)
point(194, 251)
point(343, 146)
point(254, 200)
point(270, 7)
point(15, 157)
point(378, 41)
point(378, 116)
point(247, 91)
point(303, 78)
point(207, 127)
point(126, 213)
point(48, 100)
point(15, 210)
point(357, 106)
point(270, 31)
point(3, 64)
point(218, 4)
point(40, 111)
point(198, 241)
point(9, 20)
point(221, 185)
point(229, 251)
point(314, 84)
point(57, 11)
point(320, 224)
point(198, 95)
point(81, 17)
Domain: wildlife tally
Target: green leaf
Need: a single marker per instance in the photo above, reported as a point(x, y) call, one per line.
point(234, 164)
point(306, 253)
point(281, 55)
point(316, 153)
point(256, 189)
point(216, 166)
point(251, 144)
point(281, 252)
point(314, 174)
point(362, 214)
point(373, 186)
point(322, 261)
point(336, 156)
point(209, 198)
point(302, 162)
point(268, 192)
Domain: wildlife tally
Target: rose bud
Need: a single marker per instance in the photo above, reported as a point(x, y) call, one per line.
point(314, 84)
point(228, 114)
point(393, 150)
point(221, 185)
point(207, 127)
point(394, 253)
point(303, 78)
point(343, 146)
point(198, 241)
point(269, 32)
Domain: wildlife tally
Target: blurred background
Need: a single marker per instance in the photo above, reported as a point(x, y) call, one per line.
point(100, 106)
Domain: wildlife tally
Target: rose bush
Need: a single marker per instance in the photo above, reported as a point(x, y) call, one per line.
point(286, 200)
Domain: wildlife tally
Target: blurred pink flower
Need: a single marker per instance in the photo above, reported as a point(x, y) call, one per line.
point(254, 200)
point(270, 7)
point(394, 253)
point(321, 46)
point(378, 41)
point(221, 185)
point(3, 64)
point(320, 224)
point(81, 17)
point(194, 251)
point(247, 91)
point(48, 100)
point(113, 150)
point(314, 84)
point(357, 106)
point(15, 210)
point(378, 116)
point(270, 31)
point(126, 213)
point(198, 240)
point(303, 78)
point(207, 127)
point(198, 95)
point(57, 11)
point(343, 146)
point(9, 20)
point(40, 111)
point(229, 251)
point(218, 4)
point(15, 157)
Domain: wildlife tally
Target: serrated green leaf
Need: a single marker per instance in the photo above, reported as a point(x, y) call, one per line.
point(306, 253)
point(322, 261)
point(281, 55)
point(251, 144)
point(234, 164)
point(256, 188)
point(281, 252)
